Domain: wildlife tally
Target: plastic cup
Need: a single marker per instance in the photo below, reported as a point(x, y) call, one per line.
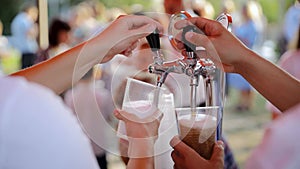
point(198, 129)
point(141, 99)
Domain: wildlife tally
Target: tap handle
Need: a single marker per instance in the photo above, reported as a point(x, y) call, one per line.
point(189, 47)
point(153, 40)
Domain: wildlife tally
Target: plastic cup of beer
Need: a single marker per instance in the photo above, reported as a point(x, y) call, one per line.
point(197, 128)
point(141, 99)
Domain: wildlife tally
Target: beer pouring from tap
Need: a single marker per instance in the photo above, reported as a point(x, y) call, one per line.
point(199, 70)
point(192, 65)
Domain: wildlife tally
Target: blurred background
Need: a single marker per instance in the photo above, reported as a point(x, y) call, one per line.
point(104, 11)
point(245, 114)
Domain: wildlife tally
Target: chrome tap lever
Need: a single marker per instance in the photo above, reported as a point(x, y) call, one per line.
point(189, 47)
point(154, 42)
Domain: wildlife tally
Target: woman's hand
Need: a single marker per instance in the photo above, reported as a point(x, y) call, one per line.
point(142, 134)
point(140, 128)
point(221, 46)
point(185, 157)
point(122, 35)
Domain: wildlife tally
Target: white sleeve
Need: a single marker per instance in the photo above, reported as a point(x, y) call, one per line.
point(38, 132)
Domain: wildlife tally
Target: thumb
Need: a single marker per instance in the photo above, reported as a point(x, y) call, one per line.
point(198, 39)
point(203, 41)
point(218, 153)
point(181, 147)
point(123, 115)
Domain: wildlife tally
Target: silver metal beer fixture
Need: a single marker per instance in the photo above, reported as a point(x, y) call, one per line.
point(192, 66)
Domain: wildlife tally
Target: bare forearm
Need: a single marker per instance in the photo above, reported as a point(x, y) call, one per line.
point(141, 153)
point(61, 71)
point(145, 163)
point(273, 83)
point(119, 37)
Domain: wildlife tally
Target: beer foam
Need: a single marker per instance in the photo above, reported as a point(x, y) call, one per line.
point(141, 108)
point(201, 121)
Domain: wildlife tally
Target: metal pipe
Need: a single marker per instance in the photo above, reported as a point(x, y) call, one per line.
point(194, 84)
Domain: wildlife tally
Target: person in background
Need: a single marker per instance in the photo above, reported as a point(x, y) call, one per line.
point(289, 61)
point(37, 129)
point(84, 23)
point(203, 8)
point(290, 25)
point(59, 33)
point(59, 37)
point(279, 148)
point(247, 32)
point(88, 99)
point(5, 49)
point(3, 46)
point(172, 7)
point(24, 33)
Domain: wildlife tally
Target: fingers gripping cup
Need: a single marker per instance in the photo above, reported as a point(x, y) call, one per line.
point(141, 99)
point(198, 129)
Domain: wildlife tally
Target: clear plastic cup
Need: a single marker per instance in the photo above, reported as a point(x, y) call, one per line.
point(198, 129)
point(141, 99)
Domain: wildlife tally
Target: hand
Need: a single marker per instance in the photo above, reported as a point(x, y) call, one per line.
point(123, 148)
point(185, 157)
point(221, 46)
point(142, 133)
point(140, 128)
point(123, 34)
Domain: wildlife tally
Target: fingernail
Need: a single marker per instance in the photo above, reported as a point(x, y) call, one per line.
point(174, 141)
point(189, 35)
point(116, 111)
point(221, 144)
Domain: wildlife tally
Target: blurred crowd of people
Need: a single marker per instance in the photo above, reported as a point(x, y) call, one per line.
point(88, 19)
point(66, 30)
point(249, 26)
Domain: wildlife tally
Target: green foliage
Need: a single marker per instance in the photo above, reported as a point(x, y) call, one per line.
point(125, 4)
point(8, 9)
point(270, 9)
point(74, 2)
point(273, 10)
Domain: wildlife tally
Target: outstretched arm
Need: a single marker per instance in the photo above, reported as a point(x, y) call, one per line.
point(61, 71)
point(232, 56)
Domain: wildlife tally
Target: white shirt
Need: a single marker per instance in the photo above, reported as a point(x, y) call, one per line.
point(37, 131)
point(93, 106)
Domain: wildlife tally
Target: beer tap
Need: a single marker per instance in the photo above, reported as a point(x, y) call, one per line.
point(193, 66)
point(156, 68)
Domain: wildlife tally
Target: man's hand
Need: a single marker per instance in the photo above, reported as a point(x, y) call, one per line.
point(123, 34)
point(185, 157)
